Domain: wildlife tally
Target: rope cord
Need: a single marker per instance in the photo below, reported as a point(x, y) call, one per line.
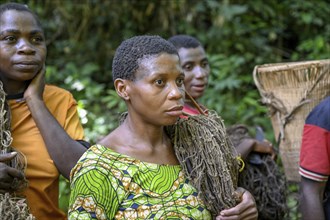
point(207, 158)
point(12, 206)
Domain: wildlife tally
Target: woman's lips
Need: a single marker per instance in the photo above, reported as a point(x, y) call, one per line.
point(26, 65)
point(175, 111)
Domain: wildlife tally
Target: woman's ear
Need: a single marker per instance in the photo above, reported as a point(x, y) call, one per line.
point(121, 86)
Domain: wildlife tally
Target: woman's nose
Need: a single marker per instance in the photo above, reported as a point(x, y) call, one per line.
point(176, 92)
point(25, 47)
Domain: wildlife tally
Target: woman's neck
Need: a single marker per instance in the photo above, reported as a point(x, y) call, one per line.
point(141, 142)
point(148, 135)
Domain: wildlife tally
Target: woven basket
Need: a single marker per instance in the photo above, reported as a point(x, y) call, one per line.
point(291, 91)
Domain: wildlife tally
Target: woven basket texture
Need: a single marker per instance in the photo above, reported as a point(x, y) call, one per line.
point(291, 91)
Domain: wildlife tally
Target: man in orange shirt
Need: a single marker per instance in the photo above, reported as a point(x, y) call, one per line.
point(45, 124)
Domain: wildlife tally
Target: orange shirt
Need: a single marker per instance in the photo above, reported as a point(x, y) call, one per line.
point(43, 190)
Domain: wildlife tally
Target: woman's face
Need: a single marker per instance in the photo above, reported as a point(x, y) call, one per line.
point(196, 69)
point(22, 48)
point(157, 92)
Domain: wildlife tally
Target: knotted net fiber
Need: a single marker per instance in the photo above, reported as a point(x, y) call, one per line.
point(265, 181)
point(12, 206)
point(207, 158)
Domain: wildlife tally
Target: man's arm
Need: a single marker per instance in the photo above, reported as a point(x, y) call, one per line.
point(311, 205)
point(247, 145)
point(62, 148)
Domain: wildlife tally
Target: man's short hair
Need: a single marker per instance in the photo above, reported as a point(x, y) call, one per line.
point(18, 7)
point(184, 41)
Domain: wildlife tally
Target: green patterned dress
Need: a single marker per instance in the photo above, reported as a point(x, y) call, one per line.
point(109, 185)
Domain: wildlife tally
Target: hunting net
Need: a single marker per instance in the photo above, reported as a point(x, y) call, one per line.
point(264, 181)
point(12, 206)
point(207, 158)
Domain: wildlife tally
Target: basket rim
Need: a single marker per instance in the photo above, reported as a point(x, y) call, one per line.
point(271, 67)
point(285, 66)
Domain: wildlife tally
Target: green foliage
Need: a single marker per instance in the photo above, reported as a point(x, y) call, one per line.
point(83, 35)
point(233, 95)
point(64, 188)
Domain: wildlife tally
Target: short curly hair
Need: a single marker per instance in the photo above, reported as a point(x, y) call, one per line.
point(184, 41)
point(18, 7)
point(131, 51)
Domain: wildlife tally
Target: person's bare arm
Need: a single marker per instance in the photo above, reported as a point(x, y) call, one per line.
point(248, 145)
point(245, 147)
point(62, 148)
point(311, 205)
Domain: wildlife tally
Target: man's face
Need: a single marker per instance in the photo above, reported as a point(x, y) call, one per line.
point(196, 67)
point(22, 48)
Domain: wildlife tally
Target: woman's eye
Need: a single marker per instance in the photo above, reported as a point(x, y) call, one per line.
point(159, 82)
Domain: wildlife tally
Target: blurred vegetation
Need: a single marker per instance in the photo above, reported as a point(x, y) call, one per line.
point(83, 35)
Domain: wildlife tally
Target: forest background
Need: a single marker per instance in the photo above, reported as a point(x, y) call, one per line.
point(82, 36)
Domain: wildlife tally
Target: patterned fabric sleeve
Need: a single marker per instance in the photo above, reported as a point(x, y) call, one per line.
point(94, 187)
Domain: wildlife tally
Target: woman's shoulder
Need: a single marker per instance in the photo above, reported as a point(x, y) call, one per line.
point(103, 160)
point(100, 154)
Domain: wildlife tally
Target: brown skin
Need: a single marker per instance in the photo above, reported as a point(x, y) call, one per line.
point(8, 173)
point(246, 210)
point(311, 205)
point(155, 100)
point(158, 85)
point(22, 50)
point(248, 145)
point(195, 65)
point(22, 58)
point(196, 68)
